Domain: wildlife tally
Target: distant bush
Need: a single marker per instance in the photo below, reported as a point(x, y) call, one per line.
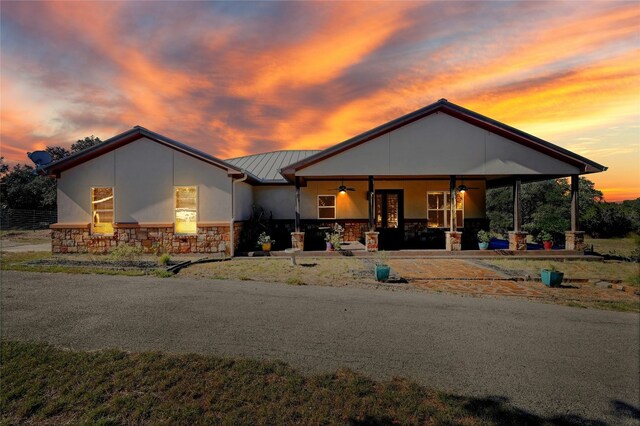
point(126, 252)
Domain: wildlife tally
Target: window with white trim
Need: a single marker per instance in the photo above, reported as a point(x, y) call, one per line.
point(439, 212)
point(186, 209)
point(102, 210)
point(326, 206)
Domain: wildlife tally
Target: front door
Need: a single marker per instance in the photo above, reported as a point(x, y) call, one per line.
point(389, 218)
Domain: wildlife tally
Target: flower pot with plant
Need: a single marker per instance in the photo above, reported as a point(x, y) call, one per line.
point(551, 277)
point(483, 239)
point(547, 240)
point(382, 268)
point(265, 242)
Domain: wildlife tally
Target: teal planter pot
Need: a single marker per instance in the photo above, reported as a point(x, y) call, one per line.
point(382, 272)
point(551, 278)
point(483, 246)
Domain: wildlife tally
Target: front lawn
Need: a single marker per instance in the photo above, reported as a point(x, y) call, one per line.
point(336, 271)
point(45, 385)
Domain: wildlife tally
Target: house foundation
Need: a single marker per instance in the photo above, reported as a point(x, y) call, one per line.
point(151, 238)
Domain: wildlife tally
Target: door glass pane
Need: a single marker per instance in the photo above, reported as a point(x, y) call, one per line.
point(379, 210)
point(392, 210)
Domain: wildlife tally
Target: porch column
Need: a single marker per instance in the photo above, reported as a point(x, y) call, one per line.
point(453, 238)
point(517, 238)
point(297, 237)
point(574, 239)
point(371, 237)
point(372, 200)
point(297, 226)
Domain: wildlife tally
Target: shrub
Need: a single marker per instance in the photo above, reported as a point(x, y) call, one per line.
point(126, 252)
point(164, 259)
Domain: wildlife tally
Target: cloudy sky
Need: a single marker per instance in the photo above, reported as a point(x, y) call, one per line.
point(240, 78)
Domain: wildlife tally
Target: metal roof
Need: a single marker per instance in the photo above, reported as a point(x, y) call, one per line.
point(266, 166)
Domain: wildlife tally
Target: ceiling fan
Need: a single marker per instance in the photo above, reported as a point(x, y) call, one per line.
point(342, 188)
point(462, 188)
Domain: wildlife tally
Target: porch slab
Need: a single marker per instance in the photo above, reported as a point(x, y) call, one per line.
point(443, 254)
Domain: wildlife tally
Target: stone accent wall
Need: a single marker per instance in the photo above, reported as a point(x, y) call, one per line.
point(152, 239)
point(517, 241)
point(574, 240)
point(354, 231)
point(453, 241)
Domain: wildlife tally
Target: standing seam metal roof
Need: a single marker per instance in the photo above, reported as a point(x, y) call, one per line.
point(266, 166)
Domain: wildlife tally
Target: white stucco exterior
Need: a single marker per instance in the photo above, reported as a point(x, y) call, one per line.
point(438, 144)
point(143, 174)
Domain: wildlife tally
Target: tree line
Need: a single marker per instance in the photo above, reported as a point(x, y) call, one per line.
point(546, 206)
point(22, 188)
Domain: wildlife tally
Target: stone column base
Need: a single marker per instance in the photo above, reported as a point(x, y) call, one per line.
point(517, 241)
point(574, 240)
point(297, 240)
point(453, 240)
point(371, 239)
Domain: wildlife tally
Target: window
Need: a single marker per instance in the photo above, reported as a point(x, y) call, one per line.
point(186, 208)
point(326, 206)
point(438, 211)
point(102, 211)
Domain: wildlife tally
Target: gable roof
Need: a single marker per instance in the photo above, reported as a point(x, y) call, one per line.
point(584, 164)
point(137, 132)
point(265, 167)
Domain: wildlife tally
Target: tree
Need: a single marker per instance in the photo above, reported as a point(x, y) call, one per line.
point(545, 205)
point(22, 188)
point(82, 144)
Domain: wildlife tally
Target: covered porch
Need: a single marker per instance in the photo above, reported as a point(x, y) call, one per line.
point(421, 181)
point(412, 213)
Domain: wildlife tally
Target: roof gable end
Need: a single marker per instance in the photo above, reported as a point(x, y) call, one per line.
point(136, 133)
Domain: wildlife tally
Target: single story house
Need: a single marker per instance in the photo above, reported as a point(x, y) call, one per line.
point(391, 187)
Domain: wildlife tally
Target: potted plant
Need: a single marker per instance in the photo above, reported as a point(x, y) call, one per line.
point(327, 239)
point(547, 240)
point(483, 239)
point(333, 238)
point(551, 277)
point(382, 268)
point(265, 242)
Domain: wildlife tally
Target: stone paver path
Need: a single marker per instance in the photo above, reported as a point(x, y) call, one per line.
point(459, 276)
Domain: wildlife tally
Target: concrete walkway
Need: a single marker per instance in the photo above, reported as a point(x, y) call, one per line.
point(546, 359)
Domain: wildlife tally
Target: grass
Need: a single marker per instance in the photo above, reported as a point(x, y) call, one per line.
point(321, 271)
point(46, 385)
point(614, 246)
point(20, 262)
point(608, 270)
point(607, 305)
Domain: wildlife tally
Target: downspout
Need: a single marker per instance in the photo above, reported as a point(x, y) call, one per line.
point(232, 240)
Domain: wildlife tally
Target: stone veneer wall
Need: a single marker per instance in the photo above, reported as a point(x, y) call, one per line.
point(153, 239)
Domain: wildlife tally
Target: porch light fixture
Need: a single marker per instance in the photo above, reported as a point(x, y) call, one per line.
point(462, 189)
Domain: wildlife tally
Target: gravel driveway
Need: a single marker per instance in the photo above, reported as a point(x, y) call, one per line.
point(546, 359)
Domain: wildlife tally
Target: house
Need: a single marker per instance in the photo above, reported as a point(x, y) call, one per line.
point(390, 187)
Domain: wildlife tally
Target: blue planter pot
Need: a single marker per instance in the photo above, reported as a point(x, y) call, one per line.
point(382, 272)
point(551, 278)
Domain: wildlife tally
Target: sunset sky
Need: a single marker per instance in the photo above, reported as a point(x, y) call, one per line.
point(241, 78)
